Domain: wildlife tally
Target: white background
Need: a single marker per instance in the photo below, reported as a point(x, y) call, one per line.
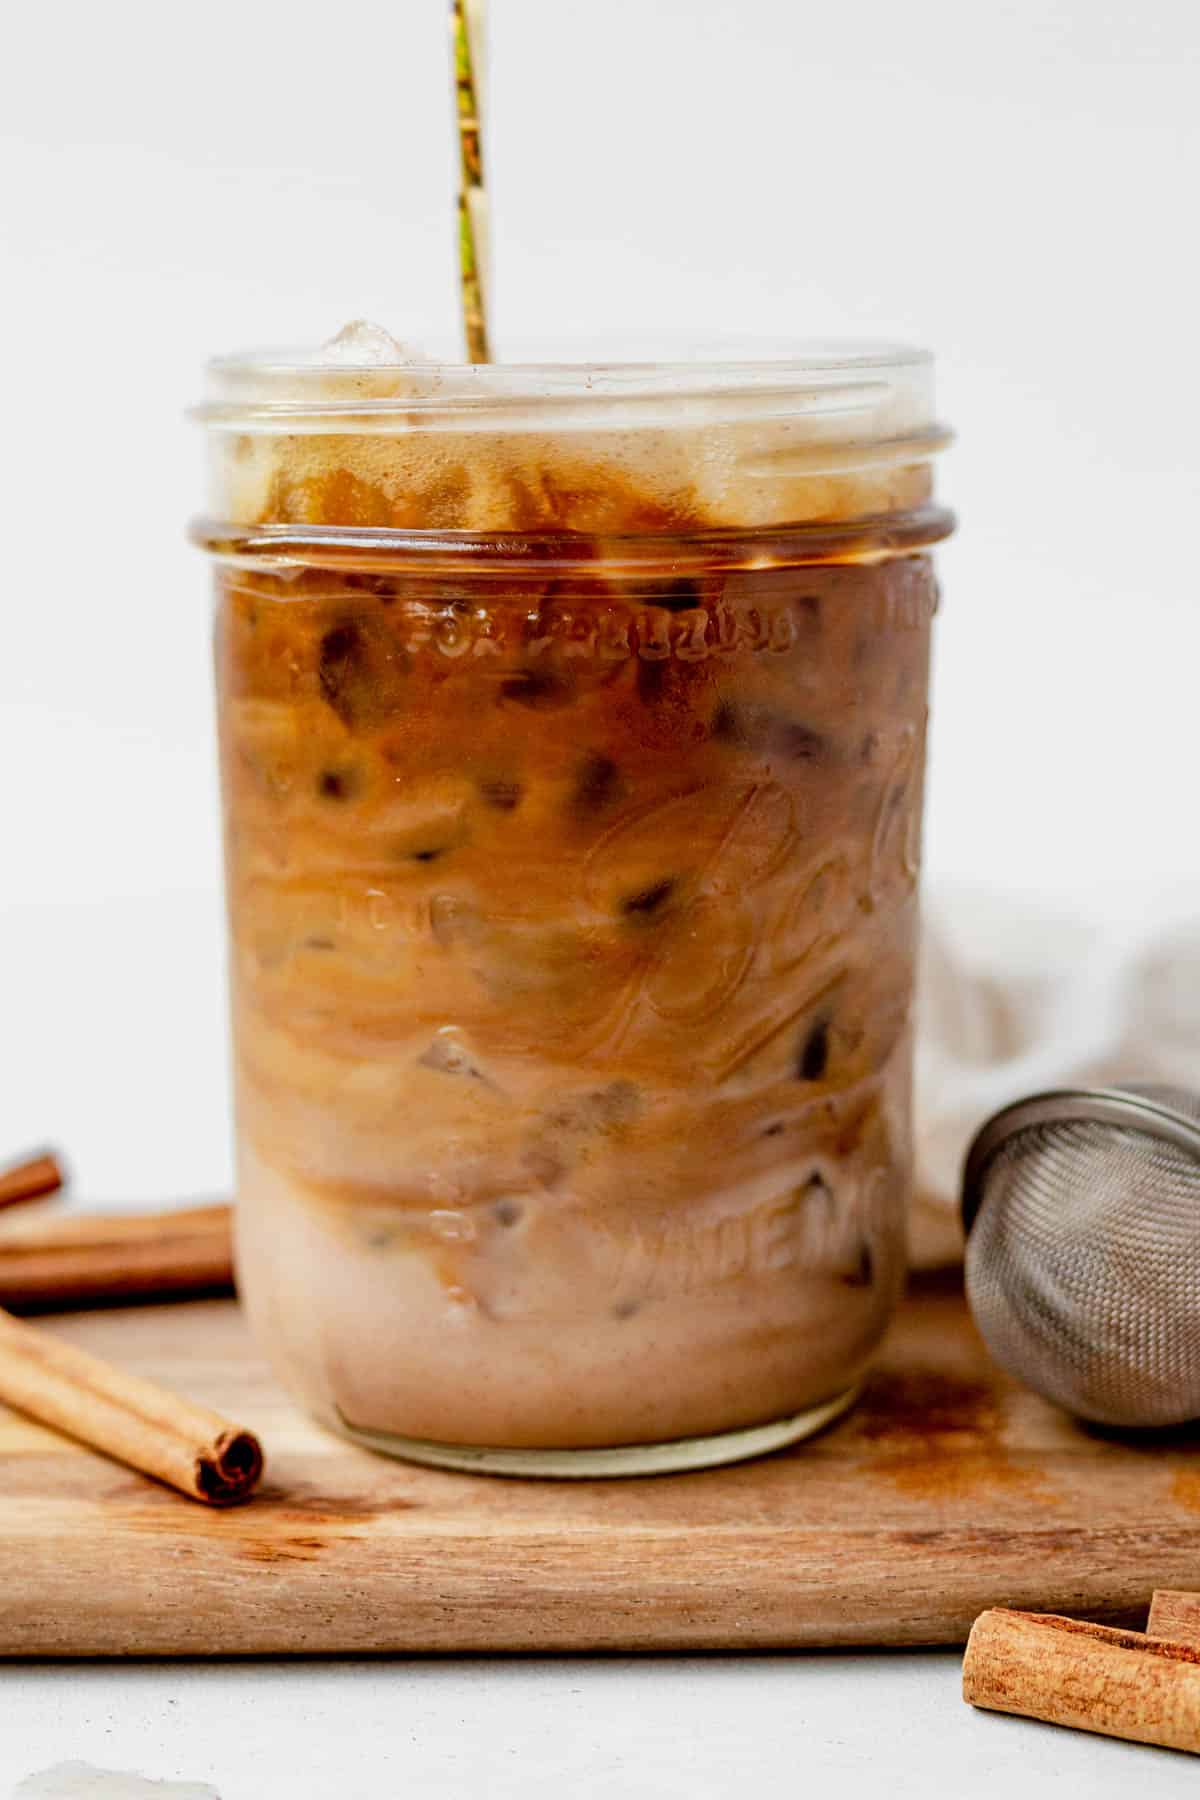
point(1011, 183)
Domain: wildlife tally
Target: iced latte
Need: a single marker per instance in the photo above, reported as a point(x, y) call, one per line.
point(572, 726)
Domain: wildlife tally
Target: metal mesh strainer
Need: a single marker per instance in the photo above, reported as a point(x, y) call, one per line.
point(1082, 1212)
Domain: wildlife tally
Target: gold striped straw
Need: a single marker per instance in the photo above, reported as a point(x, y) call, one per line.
point(466, 30)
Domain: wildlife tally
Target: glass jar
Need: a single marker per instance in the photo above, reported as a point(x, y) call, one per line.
point(572, 728)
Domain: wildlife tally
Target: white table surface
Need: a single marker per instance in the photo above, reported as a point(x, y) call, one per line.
point(663, 1727)
point(121, 1059)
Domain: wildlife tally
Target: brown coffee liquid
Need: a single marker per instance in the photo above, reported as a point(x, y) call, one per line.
point(573, 918)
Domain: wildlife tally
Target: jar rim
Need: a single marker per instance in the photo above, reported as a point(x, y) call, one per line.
point(871, 387)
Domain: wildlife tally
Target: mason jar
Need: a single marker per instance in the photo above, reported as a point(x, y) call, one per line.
point(572, 725)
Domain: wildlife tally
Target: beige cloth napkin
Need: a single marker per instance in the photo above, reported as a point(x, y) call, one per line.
point(1012, 998)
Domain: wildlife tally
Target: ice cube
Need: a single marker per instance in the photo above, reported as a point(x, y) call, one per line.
point(362, 345)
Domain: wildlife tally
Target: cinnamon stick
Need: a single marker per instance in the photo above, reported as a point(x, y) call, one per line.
point(30, 1180)
point(126, 1417)
point(1175, 1616)
point(1119, 1683)
point(83, 1258)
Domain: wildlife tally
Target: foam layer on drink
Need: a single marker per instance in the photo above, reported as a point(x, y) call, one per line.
point(368, 433)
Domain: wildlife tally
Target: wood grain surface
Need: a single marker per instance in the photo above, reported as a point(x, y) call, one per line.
point(949, 1489)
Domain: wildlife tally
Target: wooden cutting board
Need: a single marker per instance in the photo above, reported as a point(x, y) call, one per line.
point(947, 1490)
